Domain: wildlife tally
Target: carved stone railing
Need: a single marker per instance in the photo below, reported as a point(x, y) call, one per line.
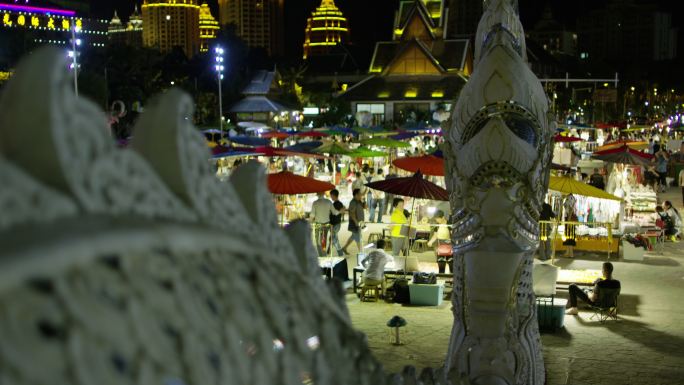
point(138, 266)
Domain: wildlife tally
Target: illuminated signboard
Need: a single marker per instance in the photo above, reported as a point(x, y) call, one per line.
point(38, 21)
point(25, 16)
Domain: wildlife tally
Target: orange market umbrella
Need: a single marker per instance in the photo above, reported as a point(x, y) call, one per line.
point(426, 164)
point(637, 145)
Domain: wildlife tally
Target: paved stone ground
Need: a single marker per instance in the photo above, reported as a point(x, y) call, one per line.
point(646, 346)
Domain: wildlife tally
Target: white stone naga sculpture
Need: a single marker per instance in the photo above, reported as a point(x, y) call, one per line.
point(497, 154)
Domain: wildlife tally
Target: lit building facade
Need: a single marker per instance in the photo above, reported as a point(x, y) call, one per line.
point(325, 28)
point(208, 26)
point(126, 34)
point(258, 22)
point(171, 23)
point(24, 26)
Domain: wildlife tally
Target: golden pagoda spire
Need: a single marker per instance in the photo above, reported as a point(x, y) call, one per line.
point(325, 28)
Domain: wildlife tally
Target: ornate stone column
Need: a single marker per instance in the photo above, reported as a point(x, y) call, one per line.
point(497, 153)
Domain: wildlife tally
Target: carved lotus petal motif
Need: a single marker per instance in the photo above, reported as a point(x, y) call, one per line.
point(299, 234)
point(166, 138)
point(27, 201)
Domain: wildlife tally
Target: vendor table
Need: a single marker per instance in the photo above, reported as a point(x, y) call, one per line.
point(391, 270)
point(334, 267)
point(579, 277)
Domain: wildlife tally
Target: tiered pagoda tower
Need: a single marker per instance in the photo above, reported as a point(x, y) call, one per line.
point(325, 28)
point(209, 27)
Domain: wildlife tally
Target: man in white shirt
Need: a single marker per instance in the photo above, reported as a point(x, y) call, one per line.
point(375, 266)
point(321, 210)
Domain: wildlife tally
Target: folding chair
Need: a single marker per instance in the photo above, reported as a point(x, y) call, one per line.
point(607, 305)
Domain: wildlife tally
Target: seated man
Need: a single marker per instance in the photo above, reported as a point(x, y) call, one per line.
point(591, 296)
point(375, 265)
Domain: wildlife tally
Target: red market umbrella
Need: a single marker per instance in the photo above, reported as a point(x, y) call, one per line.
point(565, 139)
point(426, 164)
point(288, 183)
point(414, 186)
point(624, 155)
point(275, 135)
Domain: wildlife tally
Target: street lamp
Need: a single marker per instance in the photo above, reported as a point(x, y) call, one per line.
point(218, 66)
point(73, 54)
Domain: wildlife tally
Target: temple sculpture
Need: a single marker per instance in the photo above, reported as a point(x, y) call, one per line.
point(498, 152)
point(138, 266)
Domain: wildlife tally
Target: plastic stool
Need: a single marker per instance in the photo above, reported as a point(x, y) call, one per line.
point(370, 293)
point(420, 245)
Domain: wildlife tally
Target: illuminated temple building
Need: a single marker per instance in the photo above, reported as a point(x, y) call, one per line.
point(416, 73)
point(129, 33)
point(325, 28)
point(208, 26)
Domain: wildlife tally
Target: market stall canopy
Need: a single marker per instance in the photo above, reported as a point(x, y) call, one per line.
point(637, 145)
point(288, 183)
point(304, 146)
point(249, 140)
point(227, 152)
point(566, 139)
point(363, 152)
point(339, 131)
point(385, 142)
point(624, 155)
point(414, 186)
point(333, 148)
point(426, 164)
point(568, 185)
point(403, 135)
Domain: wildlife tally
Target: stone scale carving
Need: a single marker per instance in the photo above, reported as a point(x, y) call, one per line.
point(498, 152)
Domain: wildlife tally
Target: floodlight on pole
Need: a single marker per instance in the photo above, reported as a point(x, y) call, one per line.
point(218, 66)
point(73, 55)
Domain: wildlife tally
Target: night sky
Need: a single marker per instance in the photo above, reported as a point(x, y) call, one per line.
point(371, 20)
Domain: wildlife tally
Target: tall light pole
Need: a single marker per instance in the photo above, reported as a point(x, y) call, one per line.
point(73, 54)
point(219, 73)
